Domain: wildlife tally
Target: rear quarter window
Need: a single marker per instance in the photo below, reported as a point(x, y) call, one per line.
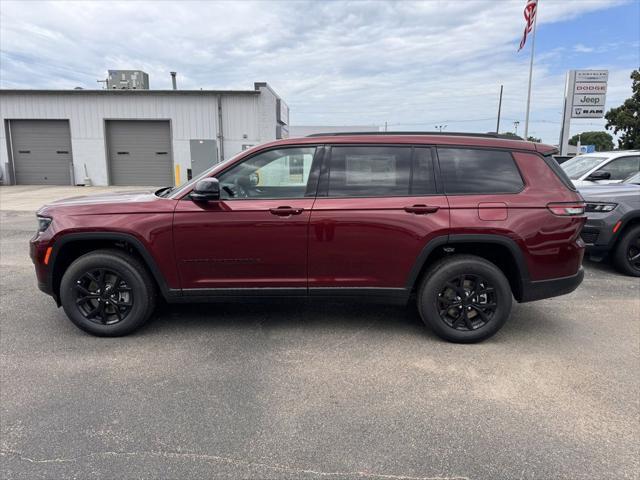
point(478, 171)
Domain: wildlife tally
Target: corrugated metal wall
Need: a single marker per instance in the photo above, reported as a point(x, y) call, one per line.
point(191, 117)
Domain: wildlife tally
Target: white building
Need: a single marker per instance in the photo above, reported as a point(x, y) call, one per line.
point(304, 130)
point(130, 137)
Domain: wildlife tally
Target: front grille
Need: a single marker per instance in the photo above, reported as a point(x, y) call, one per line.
point(590, 237)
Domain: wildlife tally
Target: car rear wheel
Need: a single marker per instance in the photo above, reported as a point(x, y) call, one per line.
point(627, 253)
point(464, 298)
point(107, 293)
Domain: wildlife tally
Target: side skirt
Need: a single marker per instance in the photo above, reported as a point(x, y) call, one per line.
point(397, 296)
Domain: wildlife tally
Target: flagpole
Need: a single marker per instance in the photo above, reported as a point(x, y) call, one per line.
point(533, 46)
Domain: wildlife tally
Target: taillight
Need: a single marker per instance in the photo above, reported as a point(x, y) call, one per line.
point(566, 209)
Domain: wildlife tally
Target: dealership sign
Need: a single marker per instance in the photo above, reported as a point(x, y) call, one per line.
point(584, 97)
point(589, 90)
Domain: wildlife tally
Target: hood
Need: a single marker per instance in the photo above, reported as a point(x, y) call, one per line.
point(108, 197)
point(610, 192)
point(108, 203)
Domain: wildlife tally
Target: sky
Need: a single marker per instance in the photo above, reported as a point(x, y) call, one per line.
point(413, 65)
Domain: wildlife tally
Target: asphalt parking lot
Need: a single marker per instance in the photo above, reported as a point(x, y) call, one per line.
point(318, 391)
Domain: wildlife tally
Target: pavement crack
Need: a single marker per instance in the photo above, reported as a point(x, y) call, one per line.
point(228, 460)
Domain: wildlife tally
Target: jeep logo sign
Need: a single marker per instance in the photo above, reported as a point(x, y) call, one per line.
point(585, 100)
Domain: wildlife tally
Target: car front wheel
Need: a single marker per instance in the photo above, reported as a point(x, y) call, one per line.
point(627, 253)
point(464, 298)
point(107, 293)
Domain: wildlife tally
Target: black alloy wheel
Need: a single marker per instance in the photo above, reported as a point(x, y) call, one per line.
point(626, 255)
point(467, 302)
point(633, 253)
point(108, 293)
point(103, 297)
point(464, 298)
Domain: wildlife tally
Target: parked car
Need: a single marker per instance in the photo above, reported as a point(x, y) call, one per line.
point(613, 223)
point(460, 223)
point(602, 167)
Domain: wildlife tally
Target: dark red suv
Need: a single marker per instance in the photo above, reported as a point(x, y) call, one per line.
point(462, 223)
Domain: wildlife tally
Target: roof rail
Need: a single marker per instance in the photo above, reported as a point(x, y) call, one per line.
point(448, 134)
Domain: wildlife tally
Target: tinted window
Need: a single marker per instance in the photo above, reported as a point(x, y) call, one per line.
point(423, 180)
point(369, 171)
point(621, 168)
point(466, 170)
point(279, 173)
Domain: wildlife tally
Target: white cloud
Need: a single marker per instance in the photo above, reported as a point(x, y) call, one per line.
point(412, 64)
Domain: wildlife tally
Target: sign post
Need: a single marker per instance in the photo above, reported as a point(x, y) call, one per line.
point(584, 97)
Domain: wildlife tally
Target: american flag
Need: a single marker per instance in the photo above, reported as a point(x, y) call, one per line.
point(530, 10)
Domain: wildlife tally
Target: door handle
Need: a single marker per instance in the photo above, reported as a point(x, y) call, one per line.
point(286, 211)
point(421, 209)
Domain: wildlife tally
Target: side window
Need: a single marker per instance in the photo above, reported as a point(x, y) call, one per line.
point(281, 173)
point(423, 180)
point(622, 168)
point(467, 170)
point(369, 171)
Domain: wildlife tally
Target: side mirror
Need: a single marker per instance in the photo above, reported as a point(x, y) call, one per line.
point(599, 175)
point(206, 190)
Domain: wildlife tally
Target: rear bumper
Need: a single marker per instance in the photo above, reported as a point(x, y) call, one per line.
point(537, 290)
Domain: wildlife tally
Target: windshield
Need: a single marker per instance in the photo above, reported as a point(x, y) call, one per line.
point(578, 166)
point(635, 179)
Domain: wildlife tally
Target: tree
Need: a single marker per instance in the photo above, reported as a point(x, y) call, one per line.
point(512, 135)
point(534, 139)
point(602, 140)
point(625, 118)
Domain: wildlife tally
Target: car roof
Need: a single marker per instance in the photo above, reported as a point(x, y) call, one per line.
point(418, 138)
point(611, 154)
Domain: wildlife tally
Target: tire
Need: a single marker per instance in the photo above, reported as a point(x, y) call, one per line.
point(628, 246)
point(123, 305)
point(441, 302)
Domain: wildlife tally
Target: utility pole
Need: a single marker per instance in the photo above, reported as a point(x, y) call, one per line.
point(440, 127)
point(385, 126)
point(515, 125)
point(499, 109)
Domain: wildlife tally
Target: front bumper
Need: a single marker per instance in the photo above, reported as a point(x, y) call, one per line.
point(37, 251)
point(537, 290)
point(597, 233)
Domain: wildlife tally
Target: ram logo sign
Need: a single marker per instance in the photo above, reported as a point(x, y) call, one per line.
point(588, 112)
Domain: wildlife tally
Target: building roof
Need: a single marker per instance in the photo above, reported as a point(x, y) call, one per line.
point(82, 91)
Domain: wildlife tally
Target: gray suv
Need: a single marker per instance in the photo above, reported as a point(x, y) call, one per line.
point(613, 223)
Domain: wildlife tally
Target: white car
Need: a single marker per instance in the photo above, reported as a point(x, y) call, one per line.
point(602, 167)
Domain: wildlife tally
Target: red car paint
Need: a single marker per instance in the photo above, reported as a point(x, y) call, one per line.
point(329, 242)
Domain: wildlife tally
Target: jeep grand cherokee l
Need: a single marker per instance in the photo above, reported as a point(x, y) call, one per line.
point(460, 223)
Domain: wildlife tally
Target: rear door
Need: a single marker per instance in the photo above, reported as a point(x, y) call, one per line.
point(377, 207)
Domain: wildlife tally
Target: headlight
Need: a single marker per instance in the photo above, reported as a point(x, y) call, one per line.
point(601, 207)
point(43, 223)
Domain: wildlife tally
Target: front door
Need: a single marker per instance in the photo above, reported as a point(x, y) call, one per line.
point(255, 236)
point(377, 207)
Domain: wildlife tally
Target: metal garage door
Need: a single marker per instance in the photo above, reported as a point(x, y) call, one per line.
point(139, 152)
point(41, 151)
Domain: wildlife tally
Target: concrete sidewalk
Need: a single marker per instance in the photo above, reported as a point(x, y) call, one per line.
point(28, 198)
